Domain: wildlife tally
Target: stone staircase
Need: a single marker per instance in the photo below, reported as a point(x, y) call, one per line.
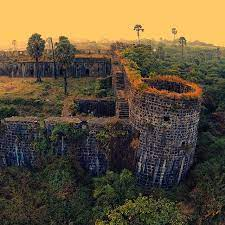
point(122, 106)
point(123, 109)
point(119, 81)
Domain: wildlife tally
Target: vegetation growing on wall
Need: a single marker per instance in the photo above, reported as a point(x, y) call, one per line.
point(45, 145)
point(119, 142)
point(104, 87)
point(42, 143)
point(69, 131)
point(137, 82)
point(7, 112)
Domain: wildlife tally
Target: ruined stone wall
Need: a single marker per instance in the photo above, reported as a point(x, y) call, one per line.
point(16, 141)
point(86, 150)
point(96, 107)
point(21, 135)
point(99, 67)
point(168, 135)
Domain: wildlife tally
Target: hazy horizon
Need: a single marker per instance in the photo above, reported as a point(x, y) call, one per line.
point(112, 20)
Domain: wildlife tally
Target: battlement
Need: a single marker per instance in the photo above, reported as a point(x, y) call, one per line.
point(172, 87)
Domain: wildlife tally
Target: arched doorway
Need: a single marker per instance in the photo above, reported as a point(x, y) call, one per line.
point(87, 72)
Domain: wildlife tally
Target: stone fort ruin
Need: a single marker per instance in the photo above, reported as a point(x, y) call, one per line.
point(160, 115)
point(84, 65)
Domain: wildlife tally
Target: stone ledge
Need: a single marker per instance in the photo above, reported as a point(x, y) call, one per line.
point(29, 119)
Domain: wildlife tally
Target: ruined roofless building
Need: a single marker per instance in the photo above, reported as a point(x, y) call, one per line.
point(166, 111)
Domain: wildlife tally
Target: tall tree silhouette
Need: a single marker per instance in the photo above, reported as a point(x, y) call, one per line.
point(35, 48)
point(174, 32)
point(183, 42)
point(138, 28)
point(50, 41)
point(64, 53)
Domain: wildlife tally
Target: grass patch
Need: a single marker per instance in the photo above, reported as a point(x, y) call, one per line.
point(45, 99)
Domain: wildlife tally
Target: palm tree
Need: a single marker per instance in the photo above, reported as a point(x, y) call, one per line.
point(138, 28)
point(49, 40)
point(14, 44)
point(183, 42)
point(64, 53)
point(35, 48)
point(174, 32)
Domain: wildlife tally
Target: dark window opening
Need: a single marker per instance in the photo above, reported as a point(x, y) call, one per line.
point(87, 72)
point(166, 118)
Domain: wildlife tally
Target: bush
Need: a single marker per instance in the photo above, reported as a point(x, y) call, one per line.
point(22, 101)
point(101, 93)
point(68, 131)
point(7, 112)
point(144, 211)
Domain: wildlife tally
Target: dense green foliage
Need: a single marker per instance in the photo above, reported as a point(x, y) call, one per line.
point(59, 192)
point(49, 195)
point(104, 87)
point(204, 190)
point(68, 131)
point(7, 112)
point(144, 211)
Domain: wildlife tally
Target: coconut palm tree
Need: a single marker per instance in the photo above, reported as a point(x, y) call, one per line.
point(35, 48)
point(64, 53)
point(183, 42)
point(138, 28)
point(174, 32)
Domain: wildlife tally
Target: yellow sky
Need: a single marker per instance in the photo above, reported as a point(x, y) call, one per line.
point(112, 19)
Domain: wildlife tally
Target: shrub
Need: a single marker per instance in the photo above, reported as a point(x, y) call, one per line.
point(101, 93)
point(7, 112)
point(68, 131)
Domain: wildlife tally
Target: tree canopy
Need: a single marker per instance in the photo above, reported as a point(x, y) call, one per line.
point(35, 48)
point(144, 211)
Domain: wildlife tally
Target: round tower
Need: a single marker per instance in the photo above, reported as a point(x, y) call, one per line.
point(166, 111)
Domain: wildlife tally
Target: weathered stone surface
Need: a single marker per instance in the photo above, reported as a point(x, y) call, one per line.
point(168, 134)
point(17, 136)
point(85, 66)
point(96, 107)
